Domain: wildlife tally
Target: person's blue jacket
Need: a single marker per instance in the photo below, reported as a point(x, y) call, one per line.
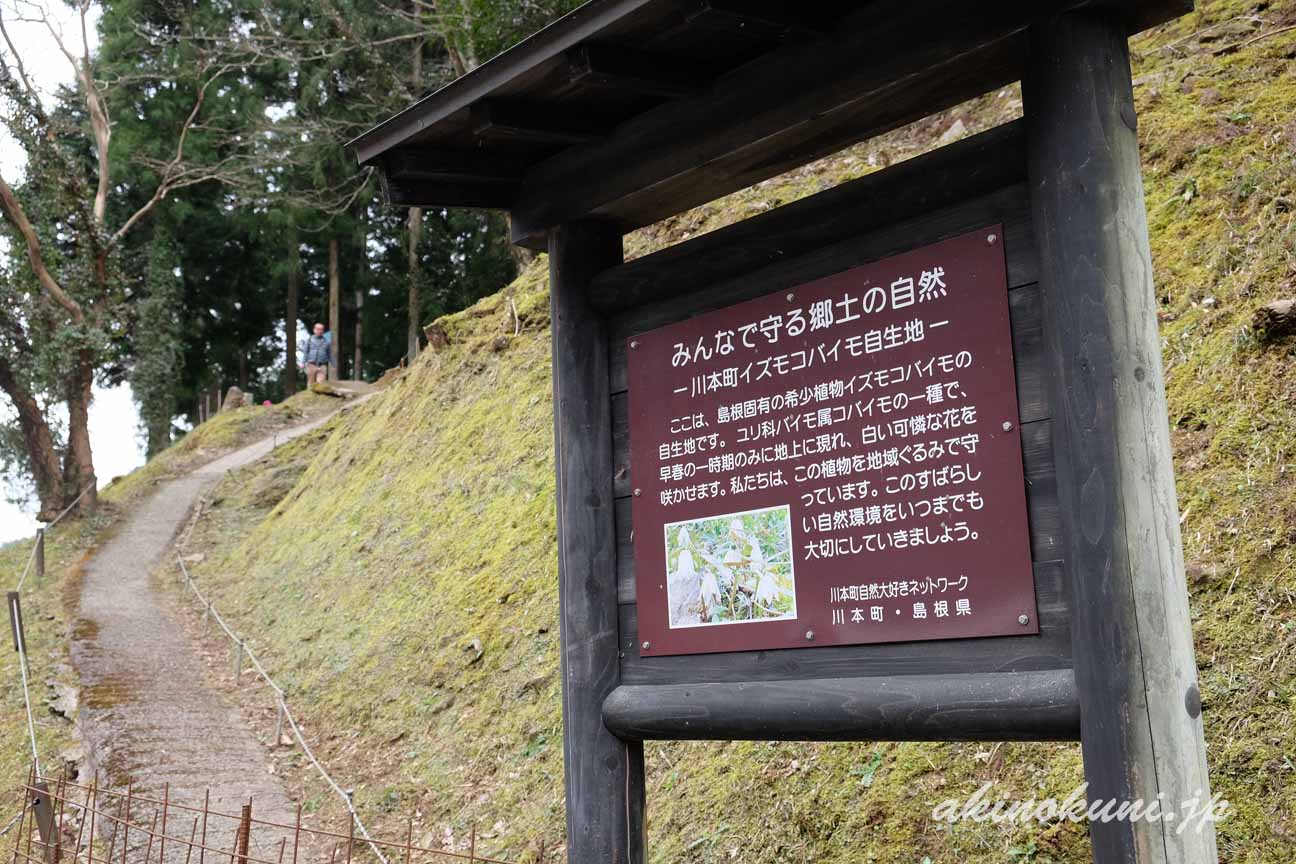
point(317, 350)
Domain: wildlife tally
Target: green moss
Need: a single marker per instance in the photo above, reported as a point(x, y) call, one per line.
point(397, 569)
point(424, 527)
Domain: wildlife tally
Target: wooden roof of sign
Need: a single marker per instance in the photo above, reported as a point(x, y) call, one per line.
point(630, 111)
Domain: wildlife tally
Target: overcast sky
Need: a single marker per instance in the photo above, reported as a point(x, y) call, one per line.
point(114, 421)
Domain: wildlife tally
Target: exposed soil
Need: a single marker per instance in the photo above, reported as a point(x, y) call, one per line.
point(150, 717)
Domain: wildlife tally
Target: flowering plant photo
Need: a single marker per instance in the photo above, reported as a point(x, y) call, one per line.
point(731, 569)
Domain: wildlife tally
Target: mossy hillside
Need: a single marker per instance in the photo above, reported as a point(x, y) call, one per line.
point(405, 587)
point(1219, 143)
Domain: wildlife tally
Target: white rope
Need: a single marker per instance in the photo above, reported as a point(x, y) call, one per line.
point(68, 509)
point(21, 639)
point(22, 664)
point(31, 556)
point(282, 701)
point(36, 543)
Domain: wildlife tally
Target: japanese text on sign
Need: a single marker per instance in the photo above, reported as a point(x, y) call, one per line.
point(839, 463)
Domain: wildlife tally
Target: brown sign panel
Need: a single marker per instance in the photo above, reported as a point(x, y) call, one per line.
point(835, 464)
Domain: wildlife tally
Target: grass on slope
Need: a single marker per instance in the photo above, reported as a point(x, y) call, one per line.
point(397, 570)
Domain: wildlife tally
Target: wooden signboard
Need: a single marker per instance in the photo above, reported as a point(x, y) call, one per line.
point(888, 462)
point(839, 463)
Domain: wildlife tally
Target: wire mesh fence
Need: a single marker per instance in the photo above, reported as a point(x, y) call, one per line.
point(64, 821)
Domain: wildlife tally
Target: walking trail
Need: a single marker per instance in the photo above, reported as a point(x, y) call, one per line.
point(148, 714)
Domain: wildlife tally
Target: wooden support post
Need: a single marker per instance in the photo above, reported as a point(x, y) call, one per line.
point(279, 721)
point(1135, 672)
point(604, 775)
point(40, 555)
point(237, 650)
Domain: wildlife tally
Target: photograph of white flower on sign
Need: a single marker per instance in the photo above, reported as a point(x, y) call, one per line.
point(731, 569)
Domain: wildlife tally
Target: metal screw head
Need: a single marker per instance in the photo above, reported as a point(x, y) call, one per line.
point(790, 297)
point(809, 634)
point(1023, 619)
point(647, 645)
point(634, 343)
point(1007, 426)
point(992, 239)
point(638, 492)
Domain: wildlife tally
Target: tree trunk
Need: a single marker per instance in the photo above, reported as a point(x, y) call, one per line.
point(334, 308)
point(38, 442)
point(414, 308)
point(357, 370)
point(243, 370)
point(415, 218)
point(78, 464)
point(159, 436)
point(291, 314)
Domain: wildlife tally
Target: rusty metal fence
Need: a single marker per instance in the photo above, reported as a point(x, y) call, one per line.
point(63, 821)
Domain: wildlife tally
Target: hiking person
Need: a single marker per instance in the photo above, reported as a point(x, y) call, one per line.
point(315, 356)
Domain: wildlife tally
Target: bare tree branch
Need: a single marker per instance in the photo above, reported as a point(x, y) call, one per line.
point(169, 170)
point(17, 216)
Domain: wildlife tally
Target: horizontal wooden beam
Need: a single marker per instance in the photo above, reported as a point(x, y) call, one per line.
point(795, 104)
point(432, 193)
point(753, 17)
point(533, 124)
point(1014, 706)
point(631, 71)
point(412, 163)
point(951, 175)
point(529, 54)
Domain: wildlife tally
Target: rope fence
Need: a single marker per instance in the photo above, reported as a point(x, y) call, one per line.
point(37, 555)
point(240, 651)
point(38, 541)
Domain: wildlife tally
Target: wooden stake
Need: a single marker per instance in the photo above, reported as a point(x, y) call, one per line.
point(40, 555)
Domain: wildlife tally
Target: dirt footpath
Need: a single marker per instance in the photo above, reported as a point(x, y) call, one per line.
point(148, 715)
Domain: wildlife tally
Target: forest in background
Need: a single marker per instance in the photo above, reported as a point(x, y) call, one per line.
point(188, 203)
